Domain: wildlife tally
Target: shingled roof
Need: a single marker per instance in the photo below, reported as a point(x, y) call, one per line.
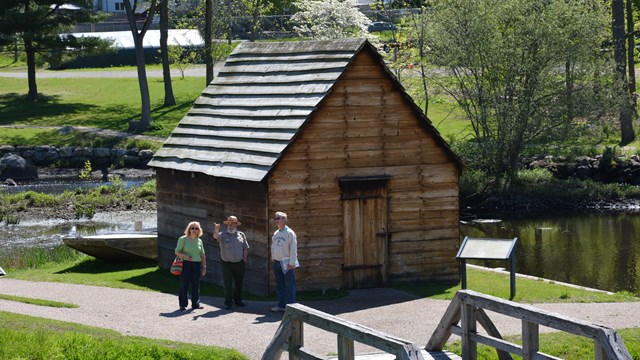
point(242, 122)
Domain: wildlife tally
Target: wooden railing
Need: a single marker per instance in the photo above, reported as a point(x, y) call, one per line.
point(468, 308)
point(289, 337)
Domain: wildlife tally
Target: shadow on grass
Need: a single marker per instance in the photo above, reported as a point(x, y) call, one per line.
point(97, 266)
point(155, 279)
point(161, 280)
point(159, 111)
point(16, 109)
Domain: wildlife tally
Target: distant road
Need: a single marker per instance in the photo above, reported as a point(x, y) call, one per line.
point(191, 71)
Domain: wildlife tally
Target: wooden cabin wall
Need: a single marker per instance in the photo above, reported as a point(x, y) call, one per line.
point(184, 196)
point(365, 127)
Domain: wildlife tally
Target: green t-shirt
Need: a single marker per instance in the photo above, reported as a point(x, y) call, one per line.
point(193, 248)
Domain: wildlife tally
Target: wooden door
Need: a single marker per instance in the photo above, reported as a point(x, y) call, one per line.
point(364, 234)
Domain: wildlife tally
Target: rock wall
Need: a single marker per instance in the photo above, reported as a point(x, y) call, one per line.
point(75, 157)
point(598, 168)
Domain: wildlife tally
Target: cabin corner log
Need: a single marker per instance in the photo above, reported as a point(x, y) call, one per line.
point(289, 336)
point(468, 308)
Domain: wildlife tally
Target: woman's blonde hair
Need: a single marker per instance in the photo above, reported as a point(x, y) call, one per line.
point(193, 223)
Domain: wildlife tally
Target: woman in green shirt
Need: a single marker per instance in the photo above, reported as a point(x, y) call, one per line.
point(191, 250)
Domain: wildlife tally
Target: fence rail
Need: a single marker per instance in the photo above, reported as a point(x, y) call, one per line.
point(289, 337)
point(468, 307)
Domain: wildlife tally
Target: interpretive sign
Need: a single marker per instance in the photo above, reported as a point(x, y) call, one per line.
point(488, 249)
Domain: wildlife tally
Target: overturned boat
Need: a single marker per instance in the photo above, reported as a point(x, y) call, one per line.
point(116, 247)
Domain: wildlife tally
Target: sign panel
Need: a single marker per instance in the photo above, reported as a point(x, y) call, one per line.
point(490, 249)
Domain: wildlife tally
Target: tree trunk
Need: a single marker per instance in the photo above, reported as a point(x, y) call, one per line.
point(208, 19)
point(138, 38)
point(631, 47)
point(423, 74)
point(144, 87)
point(32, 96)
point(568, 79)
point(619, 54)
point(169, 99)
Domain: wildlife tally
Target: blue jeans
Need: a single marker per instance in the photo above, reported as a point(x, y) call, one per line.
point(285, 285)
point(190, 276)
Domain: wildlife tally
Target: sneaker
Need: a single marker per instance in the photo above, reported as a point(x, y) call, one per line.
point(198, 307)
point(240, 303)
point(183, 308)
point(228, 306)
point(277, 309)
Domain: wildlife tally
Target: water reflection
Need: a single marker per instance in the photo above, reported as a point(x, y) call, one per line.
point(48, 233)
point(597, 251)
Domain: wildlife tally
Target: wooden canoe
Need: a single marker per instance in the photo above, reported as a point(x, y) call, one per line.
point(116, 247)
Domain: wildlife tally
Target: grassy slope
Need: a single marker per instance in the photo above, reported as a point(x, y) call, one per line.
point(26, 337)
point(107, 103)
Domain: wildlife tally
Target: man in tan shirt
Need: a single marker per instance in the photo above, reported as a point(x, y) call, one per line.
point(234, 250)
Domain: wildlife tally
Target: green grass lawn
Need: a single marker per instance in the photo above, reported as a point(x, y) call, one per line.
point(26, 337)
point(107, 103)
point(559, 344)
point(527, 290)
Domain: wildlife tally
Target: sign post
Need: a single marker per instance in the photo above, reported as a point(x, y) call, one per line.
point(488, 249)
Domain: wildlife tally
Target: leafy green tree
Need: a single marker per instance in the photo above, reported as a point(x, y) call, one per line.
point(213, 19)
point(37, 24)
point(524, 71)
point(254, 10)
point(181, 58)
point(329, 19)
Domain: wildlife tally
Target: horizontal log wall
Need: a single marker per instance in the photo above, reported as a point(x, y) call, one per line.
point(367, 127)
point(183, 197)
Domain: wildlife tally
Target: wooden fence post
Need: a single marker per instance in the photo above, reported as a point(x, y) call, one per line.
point(469, 327)
point(296, 340)
point(346, 349)
point(530, 340)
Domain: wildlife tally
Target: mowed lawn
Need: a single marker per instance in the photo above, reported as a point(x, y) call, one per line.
point(107, 103)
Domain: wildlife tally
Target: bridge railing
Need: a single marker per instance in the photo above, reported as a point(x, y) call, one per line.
point(468, 308)
point(290, 337)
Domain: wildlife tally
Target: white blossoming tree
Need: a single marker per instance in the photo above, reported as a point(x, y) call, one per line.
point(330, 19)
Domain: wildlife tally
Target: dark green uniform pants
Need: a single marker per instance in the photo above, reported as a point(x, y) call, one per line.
point(232, 273)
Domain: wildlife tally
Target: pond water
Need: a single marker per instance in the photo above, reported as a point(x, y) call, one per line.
point(48, 233)
point(600, 251)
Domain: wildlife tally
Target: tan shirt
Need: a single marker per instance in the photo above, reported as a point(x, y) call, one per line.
point(232, 246)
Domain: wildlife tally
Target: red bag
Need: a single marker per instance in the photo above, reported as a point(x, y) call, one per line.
point(176, 266)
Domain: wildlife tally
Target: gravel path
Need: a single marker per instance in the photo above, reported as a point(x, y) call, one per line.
point(250, 329)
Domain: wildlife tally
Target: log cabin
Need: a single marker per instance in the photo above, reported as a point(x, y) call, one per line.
point(323, 131)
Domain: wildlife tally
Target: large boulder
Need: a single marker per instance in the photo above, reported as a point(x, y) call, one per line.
point(15, 167)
